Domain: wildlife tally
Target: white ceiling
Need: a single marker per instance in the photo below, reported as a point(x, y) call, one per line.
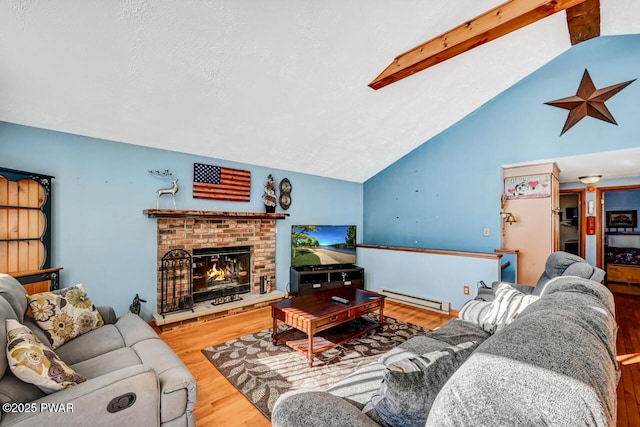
point(281, 84)
point(609, 164)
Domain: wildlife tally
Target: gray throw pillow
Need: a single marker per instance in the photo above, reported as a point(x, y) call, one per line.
point(411, 385)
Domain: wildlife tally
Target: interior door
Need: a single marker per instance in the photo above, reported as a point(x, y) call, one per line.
point(571, 218)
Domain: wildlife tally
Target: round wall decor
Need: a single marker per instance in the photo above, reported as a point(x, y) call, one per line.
point(285, 194)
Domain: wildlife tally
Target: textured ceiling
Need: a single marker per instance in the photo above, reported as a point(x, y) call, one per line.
point(281, 84)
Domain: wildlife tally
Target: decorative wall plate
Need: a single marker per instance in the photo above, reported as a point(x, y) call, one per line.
point(285, 193)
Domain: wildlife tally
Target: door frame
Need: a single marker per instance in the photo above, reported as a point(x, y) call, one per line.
point(601, 214)
point(583, 216)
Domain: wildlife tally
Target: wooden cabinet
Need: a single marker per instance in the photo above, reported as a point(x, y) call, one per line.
point(305, 281)
point(623, 279)
point(623, 273)
point(25, 229)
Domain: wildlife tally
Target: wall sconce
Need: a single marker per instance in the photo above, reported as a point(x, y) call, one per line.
point(509, 218)
point(590, 179)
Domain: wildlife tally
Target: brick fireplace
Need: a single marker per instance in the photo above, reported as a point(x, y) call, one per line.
point(197, 232)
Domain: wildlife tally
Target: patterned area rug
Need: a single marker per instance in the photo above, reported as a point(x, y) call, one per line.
point(262, 371)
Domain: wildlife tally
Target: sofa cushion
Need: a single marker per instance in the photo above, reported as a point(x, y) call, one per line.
point(505, 307)
point(128, 330)
point(13, 389)
point(64, 314)
point(312, 408)
point(454, 332)
point(410, 386)
point(133, 329)
point(87, 346)
point(577, 285)
point(13, 292)
point(33, 362)
point(6, 312)
point(564, 264)
point(359, 387)
point(108, 362)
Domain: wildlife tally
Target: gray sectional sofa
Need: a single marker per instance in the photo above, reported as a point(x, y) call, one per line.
point(557, 264)
point(132, 376)
point(554, 364)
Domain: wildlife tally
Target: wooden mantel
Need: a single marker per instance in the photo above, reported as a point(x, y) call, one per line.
point(172, 213)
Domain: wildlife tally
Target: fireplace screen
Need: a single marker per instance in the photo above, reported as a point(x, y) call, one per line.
point(221, 274)
point(176, 291)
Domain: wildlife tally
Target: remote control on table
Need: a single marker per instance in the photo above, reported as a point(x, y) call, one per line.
point(340, 300)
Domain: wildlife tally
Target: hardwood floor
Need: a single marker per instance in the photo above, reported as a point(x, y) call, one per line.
point(628, 350)
point(220, 404)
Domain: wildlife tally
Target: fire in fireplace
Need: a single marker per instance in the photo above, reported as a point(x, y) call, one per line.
point(221, 274)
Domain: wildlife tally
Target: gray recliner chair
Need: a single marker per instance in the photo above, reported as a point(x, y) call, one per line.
point(132, 376)
point(557, 264)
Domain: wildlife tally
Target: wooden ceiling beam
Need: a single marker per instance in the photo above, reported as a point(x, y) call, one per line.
point(497, 22)
point(583, 21)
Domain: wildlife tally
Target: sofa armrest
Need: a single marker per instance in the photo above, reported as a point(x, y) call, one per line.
point(308, 408)
point(108, 314)
point(87, 402)
point(178, 387)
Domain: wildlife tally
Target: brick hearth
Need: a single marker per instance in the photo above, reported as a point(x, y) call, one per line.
point(189, 230)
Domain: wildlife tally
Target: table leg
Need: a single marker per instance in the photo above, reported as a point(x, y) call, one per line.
point(381, 320)
point(310, 352)
point(274, 332)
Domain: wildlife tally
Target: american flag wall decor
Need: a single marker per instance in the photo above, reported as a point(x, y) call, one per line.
point(215, 182)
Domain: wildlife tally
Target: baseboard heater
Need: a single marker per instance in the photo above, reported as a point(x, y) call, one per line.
point(416, 301)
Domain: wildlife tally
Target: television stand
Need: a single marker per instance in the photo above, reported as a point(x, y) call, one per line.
point(327, 267)
point(310, 279)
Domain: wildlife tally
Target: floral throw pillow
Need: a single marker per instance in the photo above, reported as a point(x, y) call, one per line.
point(64, 314)
point(34, 363)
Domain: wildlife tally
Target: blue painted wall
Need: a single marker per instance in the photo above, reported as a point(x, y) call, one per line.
point(444, 193)
point(102, 238)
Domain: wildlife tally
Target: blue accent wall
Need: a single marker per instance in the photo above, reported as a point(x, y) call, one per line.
point(447, 191)
point(101, 237)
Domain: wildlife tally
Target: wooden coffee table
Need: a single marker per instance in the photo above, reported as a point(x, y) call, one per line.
point(319, 317)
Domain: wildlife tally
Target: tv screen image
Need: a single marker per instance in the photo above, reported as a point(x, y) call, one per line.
point(322, 245)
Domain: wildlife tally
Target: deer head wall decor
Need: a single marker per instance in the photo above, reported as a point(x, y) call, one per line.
point(166, 174)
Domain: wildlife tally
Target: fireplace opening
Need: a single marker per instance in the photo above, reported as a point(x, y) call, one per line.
point(221, 275)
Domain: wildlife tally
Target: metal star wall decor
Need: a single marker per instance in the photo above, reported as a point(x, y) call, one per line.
point(589, 101)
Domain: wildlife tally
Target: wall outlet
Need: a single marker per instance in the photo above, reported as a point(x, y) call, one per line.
point(466, 290)
point(485, 232)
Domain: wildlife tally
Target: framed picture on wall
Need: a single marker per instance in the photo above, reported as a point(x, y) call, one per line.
point(626, 219)
point(527, 187)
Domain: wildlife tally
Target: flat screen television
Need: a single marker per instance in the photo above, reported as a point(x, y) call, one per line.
point(323, 245)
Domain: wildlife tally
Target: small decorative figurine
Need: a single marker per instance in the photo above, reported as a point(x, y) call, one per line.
point(135, 305)
point(166, 174)
point(270, 195)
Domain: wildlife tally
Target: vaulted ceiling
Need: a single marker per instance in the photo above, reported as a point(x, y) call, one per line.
point(281, 84)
